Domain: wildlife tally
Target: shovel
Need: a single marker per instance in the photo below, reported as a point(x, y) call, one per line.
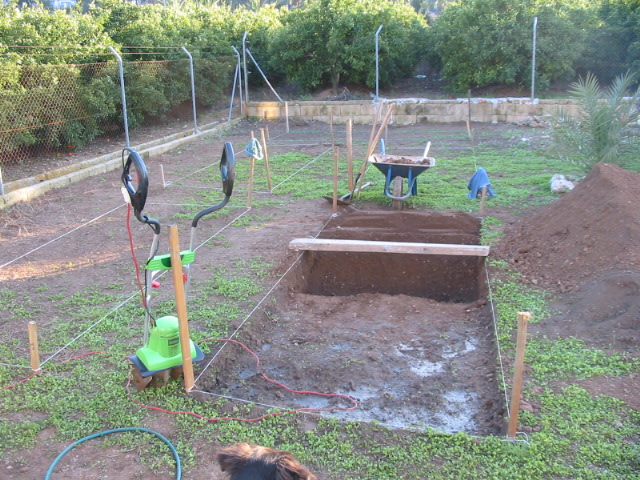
point(346, 198)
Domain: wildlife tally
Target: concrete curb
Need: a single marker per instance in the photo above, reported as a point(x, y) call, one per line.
point(27, 189)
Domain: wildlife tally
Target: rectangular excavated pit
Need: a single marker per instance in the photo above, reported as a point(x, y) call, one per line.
point(409, 336)
point(448, 275)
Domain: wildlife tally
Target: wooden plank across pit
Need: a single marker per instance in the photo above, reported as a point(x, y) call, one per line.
point(370, 246)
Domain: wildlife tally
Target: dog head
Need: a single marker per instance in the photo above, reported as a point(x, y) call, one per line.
point(253, 462)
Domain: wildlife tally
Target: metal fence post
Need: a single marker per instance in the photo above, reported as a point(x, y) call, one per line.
point(377, 61)
point(263, 75)
point(244, 61)
point(237, 77)
point(124, 96)
point(1, 182)
point(533, 58)
point(193, 91)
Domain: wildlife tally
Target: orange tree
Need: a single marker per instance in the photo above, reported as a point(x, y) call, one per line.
point(329, 42)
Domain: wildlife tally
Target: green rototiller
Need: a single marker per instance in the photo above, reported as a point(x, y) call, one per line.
point(161, 355)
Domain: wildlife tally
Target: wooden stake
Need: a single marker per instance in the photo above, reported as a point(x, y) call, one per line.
point(33, 346)
point(336, 154)
point(383, 126)
point(266, 158)
point(483, 199)
point(516, 389)
point(372, 145)
point(350, 153)
point(266, 129)
point(181, 307)
point(376, 114)
point(331, 125)
point(286, 114)
point(164, 184)
point(470, 135)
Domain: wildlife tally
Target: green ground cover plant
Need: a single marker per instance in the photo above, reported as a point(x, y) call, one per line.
point(574, 434)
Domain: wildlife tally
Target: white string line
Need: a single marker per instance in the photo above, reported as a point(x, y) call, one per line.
point(495, 327)
point(160, 204)
point(113, 310)
point(227, 397)
point(116, 308)
point(194, 187)
point(61, 236)
point(266, 405)
point(14, 366)
point(247, 317)
point(184, 187)
point(224, 228)
point(279, 145)
point(258, 305)
point(302, 168)
point(193, 173)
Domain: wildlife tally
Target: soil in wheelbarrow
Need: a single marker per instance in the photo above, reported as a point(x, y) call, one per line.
point(408, 336)
point(400, 160)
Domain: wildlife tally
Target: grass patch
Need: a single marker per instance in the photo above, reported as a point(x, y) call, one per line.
point(573, 434)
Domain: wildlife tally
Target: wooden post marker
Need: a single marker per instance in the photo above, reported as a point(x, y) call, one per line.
point(164, 184)
point(516, 389)
point(33, 346)
point(336, 155)
point(350, 153)
point(286, 114)
point(376, 114)
point(483, 199)
point(181, 307)
point(266, 158)
point(331, 126)
point(374, 142)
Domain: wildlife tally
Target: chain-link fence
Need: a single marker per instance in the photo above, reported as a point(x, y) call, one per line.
point(54, 114)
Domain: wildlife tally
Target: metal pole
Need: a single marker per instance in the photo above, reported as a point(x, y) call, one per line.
point(239, 67)
point(246, 74)
point(193, 91)
point(263, 75)
point(123, 95)
point(1, 183)
point(533, 61)
point(377, 62)
point(233, 93)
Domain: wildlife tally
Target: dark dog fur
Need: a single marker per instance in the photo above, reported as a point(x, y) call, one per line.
point(253, 462)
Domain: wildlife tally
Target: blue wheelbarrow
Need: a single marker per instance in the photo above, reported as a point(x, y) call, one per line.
point(398, 167)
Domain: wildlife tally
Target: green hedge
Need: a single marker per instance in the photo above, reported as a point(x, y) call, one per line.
point(474, 43)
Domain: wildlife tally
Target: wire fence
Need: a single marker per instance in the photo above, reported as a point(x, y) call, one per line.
point(49, 112)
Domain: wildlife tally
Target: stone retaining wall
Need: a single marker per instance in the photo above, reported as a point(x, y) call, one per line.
point(413, 110)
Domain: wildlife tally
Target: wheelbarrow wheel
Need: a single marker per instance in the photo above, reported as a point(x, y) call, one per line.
point(397, 192)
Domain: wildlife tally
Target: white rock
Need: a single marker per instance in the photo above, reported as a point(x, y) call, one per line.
point(560, 184)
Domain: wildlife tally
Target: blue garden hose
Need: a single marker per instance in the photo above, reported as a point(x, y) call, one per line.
point(116, 430)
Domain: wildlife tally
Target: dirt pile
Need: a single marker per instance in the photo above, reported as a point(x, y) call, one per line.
point(591, 231)
point(586, 249)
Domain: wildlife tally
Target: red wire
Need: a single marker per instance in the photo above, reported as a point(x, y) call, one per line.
point(135, 259)
point(264, 376)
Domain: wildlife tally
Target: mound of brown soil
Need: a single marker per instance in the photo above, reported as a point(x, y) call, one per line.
point(586, 248)
point(591, 231)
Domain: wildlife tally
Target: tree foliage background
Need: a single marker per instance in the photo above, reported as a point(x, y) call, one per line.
point(314, 43)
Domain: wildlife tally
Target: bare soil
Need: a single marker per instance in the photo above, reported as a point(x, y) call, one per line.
point(411, 340)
